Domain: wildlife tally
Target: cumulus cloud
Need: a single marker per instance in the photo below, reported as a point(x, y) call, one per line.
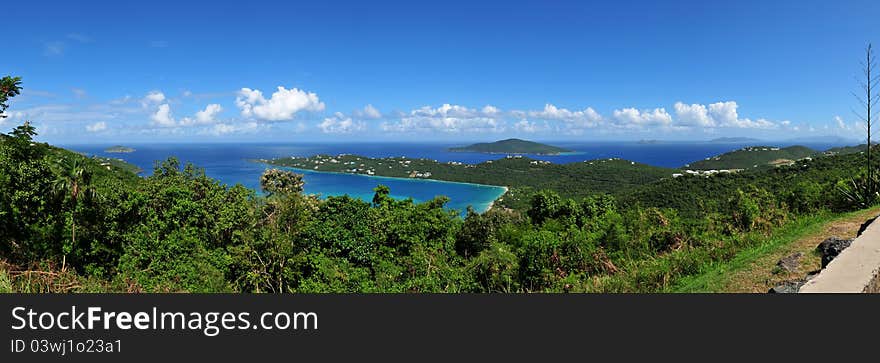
point(719, 114)
point(162, 117)
point(368, 112)
point(527, 126)
point(634, 117)
point(207, 115)
point(341, 124)
point(96, 127)
point(282, 106)
point(153, 98)
point(446, 118)
point(693, 115)
point(587, 117)
point(724, 112)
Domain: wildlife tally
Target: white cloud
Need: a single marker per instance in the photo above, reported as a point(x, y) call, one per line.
point(724, 112)
point(282, 106)
point(446, 118)
point(224, 128)
point(633, 117)
point(693, 115)
point(97, 126)
point(840, 123)
point(152, 98)
point(340, 124)
point(162, 117)
point(719, 114)
point(527, 126)
point(208, 115)
point(368, 112)
point(63, 113)
point(585, 118)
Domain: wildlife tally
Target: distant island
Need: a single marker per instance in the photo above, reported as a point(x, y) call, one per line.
point(118, 149)
point(512, 146)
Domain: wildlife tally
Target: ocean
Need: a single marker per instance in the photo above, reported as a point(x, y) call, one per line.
point(229, 163)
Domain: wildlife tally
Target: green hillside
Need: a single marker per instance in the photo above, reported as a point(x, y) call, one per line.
point(843, 150)
point(512, 146)
point(754, 157)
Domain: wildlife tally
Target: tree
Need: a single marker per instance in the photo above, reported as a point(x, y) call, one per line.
point(276, 181)
point(9, 87)
point(73, 184)
point(382, 195)
point(861, 191)
point(869, 86)
point(545, 205)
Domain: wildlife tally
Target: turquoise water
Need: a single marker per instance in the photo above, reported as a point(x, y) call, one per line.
point(229, 163)
point(461, 195)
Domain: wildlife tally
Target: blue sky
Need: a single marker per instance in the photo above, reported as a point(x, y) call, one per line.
point(435, 71)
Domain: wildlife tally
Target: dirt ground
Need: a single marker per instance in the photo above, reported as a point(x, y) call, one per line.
point(763, 273)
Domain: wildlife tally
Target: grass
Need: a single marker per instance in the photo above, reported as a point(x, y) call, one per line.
point(754, 269)
point(5, 283)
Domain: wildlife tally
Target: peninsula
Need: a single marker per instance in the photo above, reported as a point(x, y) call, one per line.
point(512, 146)
point(522, 175)
point(755, 157)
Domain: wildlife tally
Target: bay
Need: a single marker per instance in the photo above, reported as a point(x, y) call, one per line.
point(230, 163)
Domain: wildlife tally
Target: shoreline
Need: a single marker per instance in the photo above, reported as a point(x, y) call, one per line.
point(491, 204)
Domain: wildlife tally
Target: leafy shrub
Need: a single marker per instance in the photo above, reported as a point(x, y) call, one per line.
point(860, 191)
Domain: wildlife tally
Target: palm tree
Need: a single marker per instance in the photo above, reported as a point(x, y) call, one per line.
point(72, 184)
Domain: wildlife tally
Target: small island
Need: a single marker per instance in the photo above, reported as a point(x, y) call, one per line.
point(118, 149)
point(512, 146)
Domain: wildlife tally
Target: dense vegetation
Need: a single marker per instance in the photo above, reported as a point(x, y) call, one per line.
point(512, 146)
point(68, 223)
point(524, 176)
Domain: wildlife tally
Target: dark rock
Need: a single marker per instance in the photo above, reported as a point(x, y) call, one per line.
point(790, 263)
point(831, 247)
point(865, 225)
point(787, 287)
